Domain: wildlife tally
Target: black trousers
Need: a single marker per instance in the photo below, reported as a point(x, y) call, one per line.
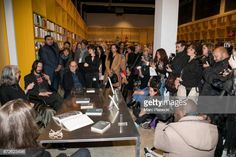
point(92, 80)
point(54, 100)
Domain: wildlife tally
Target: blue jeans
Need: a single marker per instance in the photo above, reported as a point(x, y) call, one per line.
point(140, 98)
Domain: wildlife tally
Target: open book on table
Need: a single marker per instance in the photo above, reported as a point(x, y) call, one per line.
point(72, 120)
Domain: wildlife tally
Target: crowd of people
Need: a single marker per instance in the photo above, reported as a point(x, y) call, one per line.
point(196, 69)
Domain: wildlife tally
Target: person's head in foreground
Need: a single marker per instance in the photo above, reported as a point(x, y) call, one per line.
point(18, 127)
point(190, 136)
point(10, 75)
point(19, 130)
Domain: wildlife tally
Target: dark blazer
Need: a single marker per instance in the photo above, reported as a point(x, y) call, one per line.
point(68, 83)
point(50, 57)
point(8, 93)
point(93, 65)
point(192, 74)
point(179, 62)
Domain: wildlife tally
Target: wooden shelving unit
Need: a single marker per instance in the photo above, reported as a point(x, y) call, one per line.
point(136, 35)
point(68, 25)
point(214, 29)
point(60, 19)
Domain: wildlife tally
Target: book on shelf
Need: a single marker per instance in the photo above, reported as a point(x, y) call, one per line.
point(82, 100)
point(38, 45)
point(86, 106)
point(39, 21)
point(100, 127)
point(72, 120)
point(94, 112)
point(59, 29)
point(50, 25)
point(39, 32)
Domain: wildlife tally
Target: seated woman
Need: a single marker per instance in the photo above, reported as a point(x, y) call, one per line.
point(72, 79)
point(19, 130)
point(139, 95)
point(138, 111)
point(9, 85)
point(91, 67)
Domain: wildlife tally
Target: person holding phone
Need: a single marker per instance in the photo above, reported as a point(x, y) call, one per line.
point(42, 88)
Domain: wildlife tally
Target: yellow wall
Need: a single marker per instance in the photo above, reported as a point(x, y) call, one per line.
point(24, 32)
point(4, 53)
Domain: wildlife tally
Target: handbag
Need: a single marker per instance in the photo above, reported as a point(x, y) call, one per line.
point(114, 78)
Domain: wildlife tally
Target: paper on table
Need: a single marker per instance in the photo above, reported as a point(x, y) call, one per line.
point(152, 71)
point(76, 122)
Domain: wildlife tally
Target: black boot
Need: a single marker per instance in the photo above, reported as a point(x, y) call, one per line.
point(131, 103)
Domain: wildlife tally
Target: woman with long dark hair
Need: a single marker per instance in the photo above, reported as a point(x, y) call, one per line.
point(113, 65)
point(92, 68)
point(160, 62)
point(19, 130)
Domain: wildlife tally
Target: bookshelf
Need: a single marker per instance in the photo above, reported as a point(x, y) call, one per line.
point(33, 19)
point(60, 19)
point(133, 35)
point(43, 27)
point(213, 29)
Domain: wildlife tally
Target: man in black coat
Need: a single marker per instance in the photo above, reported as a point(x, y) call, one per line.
point(214, 86)
point(41, 90)
point(72, 79)
point(179, 61)
point(49, 55)
point(213, 75)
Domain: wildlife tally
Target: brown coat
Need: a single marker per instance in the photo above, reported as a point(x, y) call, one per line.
point(115, 68)
point(189, 137)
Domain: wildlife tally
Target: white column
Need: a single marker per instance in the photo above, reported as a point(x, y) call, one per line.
point(8, 8)
point(166, 24)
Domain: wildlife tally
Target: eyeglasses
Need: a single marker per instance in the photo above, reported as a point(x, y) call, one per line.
point(55, 134)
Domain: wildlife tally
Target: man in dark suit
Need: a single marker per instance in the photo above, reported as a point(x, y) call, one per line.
point(41, 90)
point(72, 79)
point(49, 54)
